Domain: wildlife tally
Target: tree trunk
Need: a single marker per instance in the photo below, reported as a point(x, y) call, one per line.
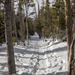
point(36, 17)
point(68, 27)
point(39, 35)
point(21, 26)
point(73, 52)
point(23, 23)
point(27, 26)
point(68, 24)
point(74, 20)
point(38, 7)
point(43, 4)
point(13, 21)
point(8, 36)
point(14, 25)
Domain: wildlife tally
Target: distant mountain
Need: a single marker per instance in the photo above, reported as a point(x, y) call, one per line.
point(32, 15)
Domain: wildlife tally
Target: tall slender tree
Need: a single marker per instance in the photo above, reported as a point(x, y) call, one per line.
point(42, 15)
point(14, 21)
point(28, 3)
point(8, 35)
point(39, 22)
point(21, 22)
point(68, 24)
point(27, 24)
point(68, 29)
point(72, 65)
point(35, 17)
point(47, 19)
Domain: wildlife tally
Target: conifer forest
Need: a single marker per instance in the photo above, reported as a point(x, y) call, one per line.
point(37, 37)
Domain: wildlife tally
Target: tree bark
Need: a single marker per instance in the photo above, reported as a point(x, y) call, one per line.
point(73, 20)
point(13, 20)
point(8, 36)
point(23, 23)
point(68, 24)
point(27, 26)
point(21, 26)
point(68, 28)
point(73, 52)
point(39, 35)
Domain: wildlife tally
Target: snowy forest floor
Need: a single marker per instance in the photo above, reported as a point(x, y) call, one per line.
point(39, 58)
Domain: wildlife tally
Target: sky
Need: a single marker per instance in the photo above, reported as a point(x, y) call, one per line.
point(32, 9)
point(40, 3)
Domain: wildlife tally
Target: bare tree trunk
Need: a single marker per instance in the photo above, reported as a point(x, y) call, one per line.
point(68, 28)
point(68, 24)
point(73, 52)
point(15, 31)
point(39, 35)
point(38, 8)
point(74, 20)
point(21, 26)
point(27, 26)
point(13, 21)
point(43, 16)
point(8, 35)
point(36, 17)
point(23, 23)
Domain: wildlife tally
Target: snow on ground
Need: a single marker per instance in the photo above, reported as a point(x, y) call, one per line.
point(39, 58)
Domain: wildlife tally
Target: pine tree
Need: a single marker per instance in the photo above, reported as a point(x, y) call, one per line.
point(58, 19)
point(30, 26)
point(43, 17)
point(38, 27)
point(62, 25)
point(47, 19)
